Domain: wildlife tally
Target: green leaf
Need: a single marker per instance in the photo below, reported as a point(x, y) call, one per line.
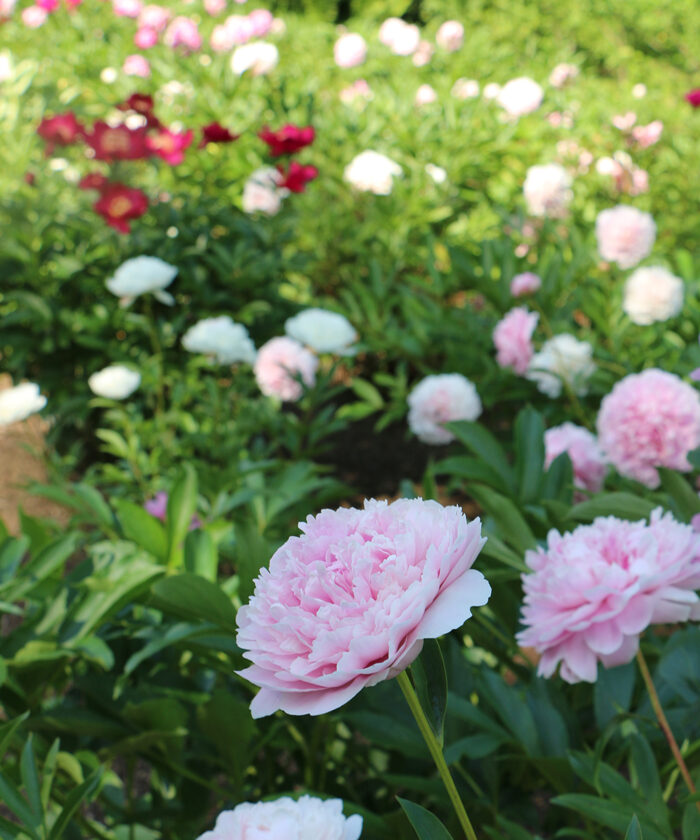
point(623, 505)
point(30, 777)
point(182, 503)
point(634, 832)
point(612, 692)
point(140, 527)
point(7, 730)
point(190, 597)
point(73, 801)
point(252, 553)
point(559, 479)
point(690, 827)
point(367, 392)
point(430, 681)
point(685, 500)
point(426, 825)
point(485, 446)
point(610, 814)
point(512, 527)
point(529, 454)
point(48, 772)
point(11, 799)
point(11, 553)
point(472, 469)
point(201, 556)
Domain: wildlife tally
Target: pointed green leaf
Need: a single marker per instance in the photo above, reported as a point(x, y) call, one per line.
point(73, 801)
point(140, 527)
point(623, 505)
point(182, 503)
point(529, 454)
point(634, 832)
point(7, 730)
point(201, 556)
point(192, 597)
point(426, 825)
point(430, 681)
point(485, 446)
point(30, 776)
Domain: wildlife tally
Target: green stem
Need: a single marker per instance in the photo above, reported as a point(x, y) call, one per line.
point(436, 752)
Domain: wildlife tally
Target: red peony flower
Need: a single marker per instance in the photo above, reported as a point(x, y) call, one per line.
point(118, 143)
point(288, 139)
point(142, 103)
point(61, 130)
point(170, 145)
point(693, 97)
point(118, 204)
point(297, 176)
point(216, 133)
point(93, 181)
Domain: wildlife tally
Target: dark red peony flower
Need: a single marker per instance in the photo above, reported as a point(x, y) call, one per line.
point(297, 176)
point(61, 130)
point(693, 97)
point(118, 142)
point(118, 204)
point(288, 139)
point(93, 181)
point(216, 133)
point(170, 145)
point(142, 103)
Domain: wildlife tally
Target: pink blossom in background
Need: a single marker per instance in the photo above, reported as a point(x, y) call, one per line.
point(170, 146)
point(624, 122)
point(450, 36)
point(648, 420)
point(34, 17)
point(525, 284)
point(423, 54)
point(158, 507)
point(439, 399)
point(145, 38)
point(547, 191)
point(639, 91)
point(594, 591)
point(183, 32)
point(7, 7)
point(492, 90)
point(625, 235)
point(127, 8)
point(214, 7)
point(693, 98)
point(465, 89)
point(279, 364)
point(154, 17)
point(48, 5)
point(350, 50)
point(647, 135)
point(561, 74)
point(136, 65)
point(389, 30)
point(315, 629)
point(220, 39)
point(359, 89)
point(581, 446)
point(425, 95)
point(402, 38)
point(520, 96)
point(261, 22)
point(259, 57)
point(628, 178)
point(240, 29)
point(512, 337)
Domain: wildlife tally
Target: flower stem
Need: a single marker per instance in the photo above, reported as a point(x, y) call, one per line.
point(436, 752)
point(663, 723)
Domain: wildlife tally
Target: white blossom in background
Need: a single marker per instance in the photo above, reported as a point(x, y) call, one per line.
point(373, 172)
point(547, 190)
point(441, 399)
point(652, 294)
point(450, 35)
point(114, 382)
point(141, 275)
point(562, 73)
point(625, 235)
point(262, 193)
point(20, 402)
point(350, 50)
point(425, 95)
point(639, 91)
point(465, 89)
point(562, 359)
point(492, 90)
point(520, 96)
point(322, 330)
point(222, 338)
point(260, 57)
point(437, 173)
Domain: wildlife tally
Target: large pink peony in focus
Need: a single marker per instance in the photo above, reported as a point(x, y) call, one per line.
point(513, 339)
point(625, 235)
point(348, 604)
point(279, 364)
point(648, 420)
point(587, 460)
point(592, 592)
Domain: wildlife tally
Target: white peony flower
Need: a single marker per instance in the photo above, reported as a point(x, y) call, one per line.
point(140, 275)
point(625, 235)
point(437, 173)
point(652, 294)
point(259, 57)
point(322, 331)
point(20, 402)
point(262, 193)
point(520, 96)
point(440, 399)
point(372, 172)
point(562, 359)
point(466, 88)
point(222, 338)
point(307, 818)
point(547, 190)
point(114, 382)
point(492, 90)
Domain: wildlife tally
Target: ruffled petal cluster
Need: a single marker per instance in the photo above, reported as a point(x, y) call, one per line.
point(513, 339)
point(440, 399)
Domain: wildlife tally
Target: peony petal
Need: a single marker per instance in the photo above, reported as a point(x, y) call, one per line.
point(267, 701)
point(604, 637)
point(580, 660)
point(452, 607)
point(624, 654)
point(636, 616)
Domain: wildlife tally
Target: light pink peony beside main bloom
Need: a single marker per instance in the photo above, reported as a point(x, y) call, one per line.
point(525, 284)
point(513, 339)
point(279, 364)
point(349, 603)
point(592, 592)
point(587, 460)
point(625, 235)
point(440, 399)
point(648, 420)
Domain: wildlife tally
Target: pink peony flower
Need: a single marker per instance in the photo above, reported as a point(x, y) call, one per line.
point(158, 507)
point(520, 96)
point(48, 5)
point(450, 35)
point(280, 363)
point(524, 284)
point(214, 7)
point(625, 235)
point(648, 420)
point(561, 74)
point(169, 145)
point(512, 337)
point(145, 37)
point(284, 819)
point(359, 89)
point(647, 135)
point(349, 603)
point(425, 95)
point(127, 8)
point(350, 50)
point(592, 592)
point(7, 7)
point(587, 460)
point(183, 32)
point(402, 38)
point(136, 65)
point(440, 399)
point(547, 190)
point(261, 21)
point(423, 54)
point(154, 17)
point(624, 122)
point(34, 17)
point(693, 97)
point(465, 89)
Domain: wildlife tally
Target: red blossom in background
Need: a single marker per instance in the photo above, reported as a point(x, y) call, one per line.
point(118, 142)
point(693, 97)
point(118, 204)
point(47, 5)
point(142, 103)
point(61, 130)
point(170, 145)
point(93, 181)
point(288, 139)
point(297, 176)
point(216, 133)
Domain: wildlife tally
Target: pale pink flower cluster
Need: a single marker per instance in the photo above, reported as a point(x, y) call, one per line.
point(34, 16)
point(628, 178)
point(127, 8)
point(425, 95)
point(237, 30)
point(183, 32)
point(562, 73)
point(350, 50)
point(402, 38)
point(373, 172)
point(624, 122)
point(625, 235)
point(214, 7)
point(588, 462)
point(154, 17)
point(513, 339)
point(358, 90)
point(647, 135)
point(280, 363)
point(306, 818)
point(262, 193)
point(648, 420)
point(440, 399)
point(526, 283)
point(652, 294)
point(7, 7)
point(547, 190)
point(520, 96)
point(492, 90)
point(136, 65)
point(349, 603)
point(423, 54)
point(258, 57)
point(450, 35)
point(465, 89)
point(592, 592)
